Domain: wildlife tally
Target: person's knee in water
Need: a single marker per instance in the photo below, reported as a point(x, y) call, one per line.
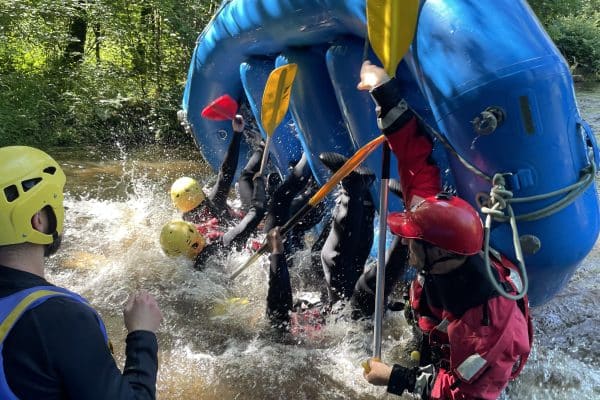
point(298, 318)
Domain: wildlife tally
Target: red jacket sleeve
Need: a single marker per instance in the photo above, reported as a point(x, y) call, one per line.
point(412, 147)
point(419, 176)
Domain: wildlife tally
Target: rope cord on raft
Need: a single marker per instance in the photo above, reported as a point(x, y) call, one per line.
point(500, 199)
point(573, 191)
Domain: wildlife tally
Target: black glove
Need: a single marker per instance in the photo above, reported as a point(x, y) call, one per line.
point(402, 379)
point(392, 110)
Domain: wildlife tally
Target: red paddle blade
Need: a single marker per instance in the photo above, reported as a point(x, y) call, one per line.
point(221, 109)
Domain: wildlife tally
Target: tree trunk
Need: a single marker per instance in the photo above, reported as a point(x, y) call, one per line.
point(77, 33)
point(157, 51)
point(97, 39)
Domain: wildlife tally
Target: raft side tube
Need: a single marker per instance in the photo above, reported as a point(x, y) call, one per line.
point(505, 60)
point(314, 108)
point(262, 28)
point(344, 60)
point(467, 56)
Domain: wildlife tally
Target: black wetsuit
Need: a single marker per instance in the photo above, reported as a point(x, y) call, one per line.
point(279, 296)
point(291, 194)
point(216, 200)
point(238, 235)
point(57, 351)
point(363, 298)
point(345, 250)
point(350, 238)
point(289, 198)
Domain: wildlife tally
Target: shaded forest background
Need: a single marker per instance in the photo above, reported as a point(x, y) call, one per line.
point(81, 72)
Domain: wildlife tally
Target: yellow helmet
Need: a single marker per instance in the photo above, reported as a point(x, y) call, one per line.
point(29, 181)
point(186, 194)
point(179, 238)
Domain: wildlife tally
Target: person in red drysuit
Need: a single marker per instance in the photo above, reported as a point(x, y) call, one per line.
point(474, 340)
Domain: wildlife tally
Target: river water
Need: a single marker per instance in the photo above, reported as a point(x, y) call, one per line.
point(214, 342)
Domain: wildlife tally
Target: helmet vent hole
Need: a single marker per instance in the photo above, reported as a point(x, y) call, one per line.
point(50, 170)
point(11, 193)
point(29, 183)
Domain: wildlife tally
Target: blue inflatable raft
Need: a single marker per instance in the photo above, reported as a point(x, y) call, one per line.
point(495, 90)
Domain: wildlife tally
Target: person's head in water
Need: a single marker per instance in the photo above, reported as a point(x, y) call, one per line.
point(31, 199)
point(181, 238)
point(186, 194)
point(440, 232)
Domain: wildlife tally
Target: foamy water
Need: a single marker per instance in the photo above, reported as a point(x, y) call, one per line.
point(215, 343)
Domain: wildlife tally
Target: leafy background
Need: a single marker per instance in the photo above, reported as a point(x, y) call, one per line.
point(92, 72)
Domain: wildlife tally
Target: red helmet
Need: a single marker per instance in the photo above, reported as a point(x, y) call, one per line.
point(445, 221)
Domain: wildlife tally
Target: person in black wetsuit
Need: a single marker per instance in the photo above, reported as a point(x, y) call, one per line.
point(346, 247)
point(211, 210)
point(54, 344)
point(237, 236)
point(179, 239)
point(290, 197)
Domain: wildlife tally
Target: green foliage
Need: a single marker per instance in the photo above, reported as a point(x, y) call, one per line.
point(127, 86)
point(128, 82)
point(578, 39)
point(16, 101)
point(574, 26)
point(547, 10)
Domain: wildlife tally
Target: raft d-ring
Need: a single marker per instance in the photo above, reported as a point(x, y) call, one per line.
point(222, 134)
point(488, 120)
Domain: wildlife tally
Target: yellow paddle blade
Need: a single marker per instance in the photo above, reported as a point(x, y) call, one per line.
point(348, 167)
point(391, 27)
point(276, 97)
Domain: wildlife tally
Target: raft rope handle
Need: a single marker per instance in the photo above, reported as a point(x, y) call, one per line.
point(500, 199)
point(574, 190)
point(587, 175)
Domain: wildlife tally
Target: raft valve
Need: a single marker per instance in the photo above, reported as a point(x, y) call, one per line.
point(489, 119)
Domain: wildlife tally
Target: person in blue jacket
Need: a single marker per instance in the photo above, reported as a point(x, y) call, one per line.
point(53, 343)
